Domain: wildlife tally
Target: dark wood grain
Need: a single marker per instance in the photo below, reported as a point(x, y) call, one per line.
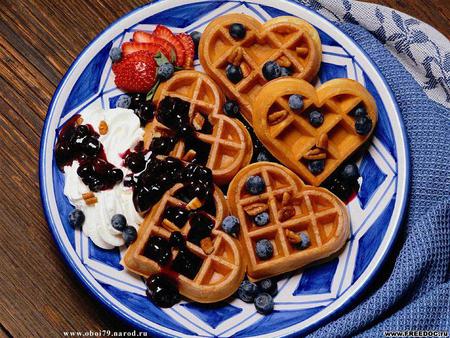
point(39, 295)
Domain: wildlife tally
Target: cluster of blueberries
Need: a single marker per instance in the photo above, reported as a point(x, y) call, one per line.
point(80, 142)
point(261, 294)
point(118, 222)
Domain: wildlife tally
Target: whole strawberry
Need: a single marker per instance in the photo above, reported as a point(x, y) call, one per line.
point(136, 72)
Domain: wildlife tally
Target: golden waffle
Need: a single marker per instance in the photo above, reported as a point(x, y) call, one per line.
point(221, 271)
point(286, 39)
point(316, 211)
point(291, 137)
point(231, 145)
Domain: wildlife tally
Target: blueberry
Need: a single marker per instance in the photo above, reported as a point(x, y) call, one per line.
point(76, 218)
point(316, 166)
point(82, 131)
point(231, 225)
point(263, 156)
point(85, 170)
point(96, 184)
point(271, 70)
point(350, 172)
point(247, 291)
point(177, 240)
point(115, 54)
point(234, 73)
point(286, 71)
point(124, 101)
point(316, 118)
point(363, 125)
point(359, 111)
point(91, 146)
point(268, 286)
point(165, 71)
point(196, 35)
point(237, 31)
point(135, 162)
point(264, 249)
point(264, 303)
point(296, 102)
point(162, 291)
point(119, 222)
point(262, 219)
point(158, 249)
point(129, 234)
point(231, 108)
point(115, 174)
point(304, 243)
point(255, 185)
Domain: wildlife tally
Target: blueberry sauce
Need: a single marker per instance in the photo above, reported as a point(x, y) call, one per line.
point(79, 142)
point(162, 290)
point(201, 227)
point(177, 216)
point(344, 187)
point(186, 263)
point(158, 249)
point(143, 109)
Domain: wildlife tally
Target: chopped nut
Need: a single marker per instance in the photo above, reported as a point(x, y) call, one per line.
point(235, 57)
point(87, 195)
point(286, 213)
point(194, 204)
point(292, 237)
point(103, 127)
point(245, 69)
point(315, 154)
point(302, 51)
point(79, 121)
point(198, 121)
point(207, 245)
point(91, 200)
point(255, 209)
point(283, 61)
point(168, 225)
point(277, 117)
point(322, 143)
point(189, 156)
point(286, 198)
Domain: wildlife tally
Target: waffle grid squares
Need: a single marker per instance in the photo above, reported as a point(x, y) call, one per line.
point(275, 230)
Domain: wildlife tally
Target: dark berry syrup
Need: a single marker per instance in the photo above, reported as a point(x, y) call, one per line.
point(79, 142)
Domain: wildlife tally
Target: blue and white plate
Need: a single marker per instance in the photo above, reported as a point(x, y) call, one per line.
point(308, 298)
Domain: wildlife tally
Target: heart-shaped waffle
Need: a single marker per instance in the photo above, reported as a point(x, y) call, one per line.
point(291, 138)
point(290, 41)
point(230, 143)
point(293, 207)
point(221, 271)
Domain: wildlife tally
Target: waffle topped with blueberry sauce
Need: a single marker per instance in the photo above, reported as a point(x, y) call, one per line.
point(313, 131)
point(241, 54)
point(285, 224)
point(190, 125)
point(179, 245)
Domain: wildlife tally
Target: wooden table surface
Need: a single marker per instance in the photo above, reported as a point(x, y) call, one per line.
point(39, 295)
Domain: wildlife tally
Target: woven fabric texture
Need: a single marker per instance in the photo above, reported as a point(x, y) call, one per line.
point(412, 289)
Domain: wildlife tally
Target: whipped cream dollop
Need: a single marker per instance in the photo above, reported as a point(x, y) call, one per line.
point(124, 132)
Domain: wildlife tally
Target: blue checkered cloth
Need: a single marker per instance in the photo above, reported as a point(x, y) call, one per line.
point(412, 292)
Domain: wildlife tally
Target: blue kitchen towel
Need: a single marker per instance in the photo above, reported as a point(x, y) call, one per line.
point(412, 290)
